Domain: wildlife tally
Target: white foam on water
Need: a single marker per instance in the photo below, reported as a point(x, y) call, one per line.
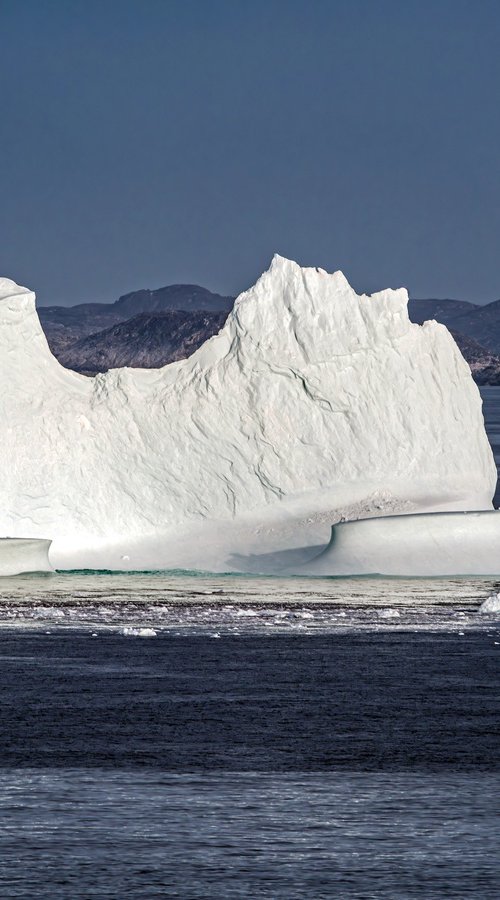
point(130, 631)
point(188, 604)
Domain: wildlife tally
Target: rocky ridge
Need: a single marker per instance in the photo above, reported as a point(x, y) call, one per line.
point(147, 341)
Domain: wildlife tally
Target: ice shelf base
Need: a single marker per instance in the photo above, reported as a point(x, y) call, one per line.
point(426, 544)
point(23, 555)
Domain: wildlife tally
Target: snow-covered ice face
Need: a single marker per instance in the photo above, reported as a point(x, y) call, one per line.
point(311, 404)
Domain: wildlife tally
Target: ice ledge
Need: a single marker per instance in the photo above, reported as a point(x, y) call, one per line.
point(421, 545)
point(23, 555)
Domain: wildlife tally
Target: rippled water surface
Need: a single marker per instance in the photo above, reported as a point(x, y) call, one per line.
point(150, 835)
point(191, 736)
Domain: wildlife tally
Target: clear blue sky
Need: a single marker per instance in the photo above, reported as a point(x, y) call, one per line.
point(146, 142)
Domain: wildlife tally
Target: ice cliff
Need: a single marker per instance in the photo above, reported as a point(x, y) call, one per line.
point(311, 404)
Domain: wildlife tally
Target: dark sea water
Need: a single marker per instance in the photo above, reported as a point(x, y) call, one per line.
point(88, 834)
point(384, 702)
point(173, 735)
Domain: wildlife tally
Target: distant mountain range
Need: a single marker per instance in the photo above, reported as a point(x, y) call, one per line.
point(65, 326)
point(150, 328)
point(148, 340)
point(481, 323)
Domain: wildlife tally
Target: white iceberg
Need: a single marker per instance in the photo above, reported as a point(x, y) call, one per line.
point(491, 604)
point(311, 404)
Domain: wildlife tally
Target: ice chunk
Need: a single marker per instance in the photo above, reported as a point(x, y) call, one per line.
point(130, 631)
point(491, 604)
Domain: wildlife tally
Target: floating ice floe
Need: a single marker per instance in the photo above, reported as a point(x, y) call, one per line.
point(491, 604)
point(129, 631)
point(47, 612)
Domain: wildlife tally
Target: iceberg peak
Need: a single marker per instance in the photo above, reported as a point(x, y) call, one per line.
point(282, 266)
point(296, 313)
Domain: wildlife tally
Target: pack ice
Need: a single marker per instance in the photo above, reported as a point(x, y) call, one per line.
point(312, 405)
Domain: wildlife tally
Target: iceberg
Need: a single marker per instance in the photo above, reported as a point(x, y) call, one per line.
point(312, 405)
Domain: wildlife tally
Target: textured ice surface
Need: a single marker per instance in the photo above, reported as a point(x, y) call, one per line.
point(311, 404)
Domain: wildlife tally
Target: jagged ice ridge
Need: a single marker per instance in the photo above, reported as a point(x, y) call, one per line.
point(311, 404)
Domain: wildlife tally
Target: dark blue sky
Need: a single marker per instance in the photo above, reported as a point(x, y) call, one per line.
point(145, 142)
